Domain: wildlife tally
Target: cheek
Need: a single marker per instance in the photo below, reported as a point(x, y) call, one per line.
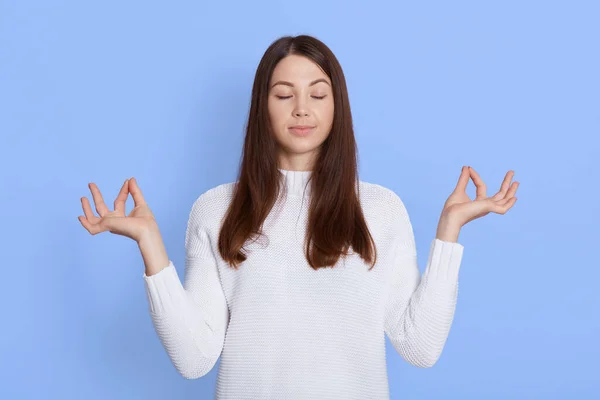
point(275, 113)
point(327, 112)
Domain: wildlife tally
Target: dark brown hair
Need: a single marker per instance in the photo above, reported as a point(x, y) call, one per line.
point(335, 219)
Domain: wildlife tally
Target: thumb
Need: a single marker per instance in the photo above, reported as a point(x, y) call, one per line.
point(463, 180)
point(136, 193)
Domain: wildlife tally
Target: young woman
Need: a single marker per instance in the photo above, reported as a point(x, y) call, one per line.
point(296, 272)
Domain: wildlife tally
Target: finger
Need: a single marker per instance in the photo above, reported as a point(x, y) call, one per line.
point(87, 210)
point(510, 193)
point(85, 223)
point(463, 180)
point(93, 229)
point(502, 206)
point(480, 187)
point(122, 198)
point(136, 193)
point(101, 207)
point(505, 185)
point(502, 202)
point(513, 189)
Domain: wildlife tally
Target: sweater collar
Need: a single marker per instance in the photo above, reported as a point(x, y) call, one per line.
point(296, 182)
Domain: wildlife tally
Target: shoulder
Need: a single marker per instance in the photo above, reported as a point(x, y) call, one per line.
point(382, 198)
point(386, 213)
point(211, 205)
point(213, 197)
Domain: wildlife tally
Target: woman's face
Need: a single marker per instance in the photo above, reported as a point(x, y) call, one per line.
point(300, 95)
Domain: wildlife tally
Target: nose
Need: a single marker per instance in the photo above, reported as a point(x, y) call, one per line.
point(300, 109)
point(300, 113)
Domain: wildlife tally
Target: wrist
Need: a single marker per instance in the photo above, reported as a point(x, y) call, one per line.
point(153, 252)
point(149, 234)
point(448, 229)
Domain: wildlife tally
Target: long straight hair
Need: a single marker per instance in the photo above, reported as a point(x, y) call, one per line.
point(335, 217)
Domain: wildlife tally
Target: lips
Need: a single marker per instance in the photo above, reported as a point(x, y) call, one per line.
point(301, 130)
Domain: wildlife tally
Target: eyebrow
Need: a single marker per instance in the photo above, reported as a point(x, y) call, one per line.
point(292, 85)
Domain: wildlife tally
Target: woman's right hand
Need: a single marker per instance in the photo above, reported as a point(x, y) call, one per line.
point(139, 221)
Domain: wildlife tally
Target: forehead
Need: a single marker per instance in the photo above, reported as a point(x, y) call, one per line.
point(297, 69)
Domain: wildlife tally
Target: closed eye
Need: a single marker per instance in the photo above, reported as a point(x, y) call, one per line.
point(314, 97)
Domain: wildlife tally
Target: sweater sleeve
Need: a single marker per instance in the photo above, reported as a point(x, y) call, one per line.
point(190, 319)
point(420, 309)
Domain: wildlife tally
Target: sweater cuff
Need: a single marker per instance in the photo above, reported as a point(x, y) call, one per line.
point(444, 261)
point(163, 289)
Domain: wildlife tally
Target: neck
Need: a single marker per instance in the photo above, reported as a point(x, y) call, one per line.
point(296, 182)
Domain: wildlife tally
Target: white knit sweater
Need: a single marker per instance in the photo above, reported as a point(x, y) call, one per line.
point(286, 331)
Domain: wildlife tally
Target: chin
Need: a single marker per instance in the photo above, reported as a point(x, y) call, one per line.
point(299, 145)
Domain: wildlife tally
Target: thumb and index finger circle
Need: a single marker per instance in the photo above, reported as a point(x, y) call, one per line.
point(122, 197)
point(463, 180)
point(136, 193)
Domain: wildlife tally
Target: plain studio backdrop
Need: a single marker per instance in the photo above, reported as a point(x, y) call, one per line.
point(160, 91)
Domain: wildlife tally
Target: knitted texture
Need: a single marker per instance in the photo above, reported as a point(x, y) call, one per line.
point(286, 331)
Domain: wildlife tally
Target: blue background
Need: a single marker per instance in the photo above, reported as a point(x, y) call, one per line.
point(99, 92)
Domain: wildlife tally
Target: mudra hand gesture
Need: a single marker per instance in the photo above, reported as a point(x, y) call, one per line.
point(139, 221)
point(460, 209)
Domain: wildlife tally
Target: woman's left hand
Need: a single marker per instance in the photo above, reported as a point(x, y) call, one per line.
point(460, 209)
